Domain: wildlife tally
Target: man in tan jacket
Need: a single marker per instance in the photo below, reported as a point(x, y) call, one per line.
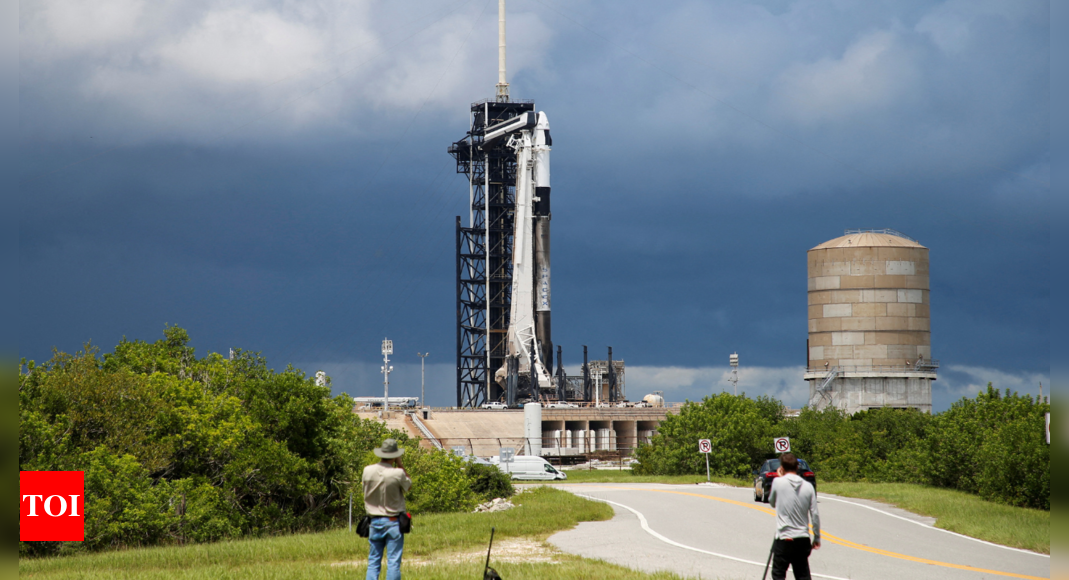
point(385, 484)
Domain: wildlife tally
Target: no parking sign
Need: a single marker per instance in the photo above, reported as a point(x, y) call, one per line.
point(705, 446)
point(783, 444)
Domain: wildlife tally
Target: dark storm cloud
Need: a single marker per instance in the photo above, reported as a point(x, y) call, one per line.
point(699, 150)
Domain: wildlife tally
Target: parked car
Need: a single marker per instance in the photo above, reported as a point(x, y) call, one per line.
point(763, 477)
point(561, 405)
point(494, 405)
point(529, 467)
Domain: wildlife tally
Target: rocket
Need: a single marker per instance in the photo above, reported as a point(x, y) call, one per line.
point(543, 326)
point(529, 333)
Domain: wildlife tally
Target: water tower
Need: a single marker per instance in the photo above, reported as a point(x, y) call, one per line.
point(870, 323)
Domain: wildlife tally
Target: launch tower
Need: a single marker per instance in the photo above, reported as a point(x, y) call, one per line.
point(501, 132)
point(484, 251)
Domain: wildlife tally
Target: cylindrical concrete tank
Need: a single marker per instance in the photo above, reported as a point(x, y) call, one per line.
point(532, 429)
point(579, 440)
point(603, 439)
point(868, 302)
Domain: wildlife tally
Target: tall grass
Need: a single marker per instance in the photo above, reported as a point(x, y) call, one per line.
point(959, 512)
point(341, 554)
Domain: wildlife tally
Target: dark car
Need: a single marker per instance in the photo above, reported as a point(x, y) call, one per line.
point(763, 477)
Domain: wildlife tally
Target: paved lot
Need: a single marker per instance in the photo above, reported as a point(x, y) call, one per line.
point(719, 532)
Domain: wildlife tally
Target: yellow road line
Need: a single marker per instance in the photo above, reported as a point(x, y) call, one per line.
point(844, 542)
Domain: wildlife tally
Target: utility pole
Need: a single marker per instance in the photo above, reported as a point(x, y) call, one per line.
point(422, 379)
point(387, 350)
point(734, 360)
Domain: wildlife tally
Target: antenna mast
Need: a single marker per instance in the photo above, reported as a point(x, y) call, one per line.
point(502, 84)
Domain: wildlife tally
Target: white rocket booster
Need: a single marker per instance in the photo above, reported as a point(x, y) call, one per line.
point(543, 327)
point(529, 322)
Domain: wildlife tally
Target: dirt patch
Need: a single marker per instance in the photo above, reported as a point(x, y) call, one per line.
point(511, 550)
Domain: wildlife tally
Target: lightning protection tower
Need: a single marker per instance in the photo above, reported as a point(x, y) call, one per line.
point(484, 246)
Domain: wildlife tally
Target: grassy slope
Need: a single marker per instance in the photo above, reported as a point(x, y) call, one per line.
point(959, 512)
point(299, 556)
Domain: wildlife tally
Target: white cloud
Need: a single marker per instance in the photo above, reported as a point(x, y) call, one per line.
point(947, 29)
point(364, 379)
point(678, 383)
point(873, 74)
point(54, 29)
point(868, 86)
point(170, 70)
point(967, 381)
point(242, 45)
point(955, 25)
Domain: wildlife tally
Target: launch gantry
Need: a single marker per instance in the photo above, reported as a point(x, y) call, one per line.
point(503, 282)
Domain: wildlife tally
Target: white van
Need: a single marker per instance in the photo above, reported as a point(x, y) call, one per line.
point(529, 467)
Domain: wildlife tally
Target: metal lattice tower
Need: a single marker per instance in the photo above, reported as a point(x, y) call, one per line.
point(484, 253)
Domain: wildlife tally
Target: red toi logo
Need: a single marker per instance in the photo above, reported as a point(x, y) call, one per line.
point(52, 506)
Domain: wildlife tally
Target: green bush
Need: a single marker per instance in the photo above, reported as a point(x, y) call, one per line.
point(873, 445)
point(991, 445)
point(180, 449)
point(740, 429)
point(488, 482)
point(122, 506)
point(439, 481)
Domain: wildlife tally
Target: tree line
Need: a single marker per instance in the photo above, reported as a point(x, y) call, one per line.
point(178, 449)
point(991, 445)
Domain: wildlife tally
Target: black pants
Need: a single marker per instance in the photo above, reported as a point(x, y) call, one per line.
point(793, 553)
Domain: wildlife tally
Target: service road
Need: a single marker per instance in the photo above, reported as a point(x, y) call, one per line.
point(720, 532)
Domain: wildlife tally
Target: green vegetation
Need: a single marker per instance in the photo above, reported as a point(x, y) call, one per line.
point(178, 449)
point(489, 482)
point(959, 512)
point(991, 445)
point(738, 426)
point(340, 554)
point(628, 476)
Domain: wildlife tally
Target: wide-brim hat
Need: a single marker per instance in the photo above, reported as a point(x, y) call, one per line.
point(389, 449)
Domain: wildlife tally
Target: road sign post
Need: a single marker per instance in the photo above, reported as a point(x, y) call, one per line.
point(505, 455)
point(782, 444)
point(705, 446)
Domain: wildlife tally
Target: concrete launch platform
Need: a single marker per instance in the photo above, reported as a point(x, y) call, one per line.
point(483, 432)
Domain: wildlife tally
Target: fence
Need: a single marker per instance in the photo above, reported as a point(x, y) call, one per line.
point(580, 444)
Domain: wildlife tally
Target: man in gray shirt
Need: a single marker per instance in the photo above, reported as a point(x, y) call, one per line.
point(795, 501)
point(385, 484)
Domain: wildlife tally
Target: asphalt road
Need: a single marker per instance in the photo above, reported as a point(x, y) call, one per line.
point(720, 532)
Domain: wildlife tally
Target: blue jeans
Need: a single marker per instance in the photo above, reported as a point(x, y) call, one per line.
point(385, 534)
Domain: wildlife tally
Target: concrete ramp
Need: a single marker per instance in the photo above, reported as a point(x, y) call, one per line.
point(396, 420)
point(480, 432)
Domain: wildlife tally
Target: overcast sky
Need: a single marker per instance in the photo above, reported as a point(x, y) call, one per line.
point(273, 176)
